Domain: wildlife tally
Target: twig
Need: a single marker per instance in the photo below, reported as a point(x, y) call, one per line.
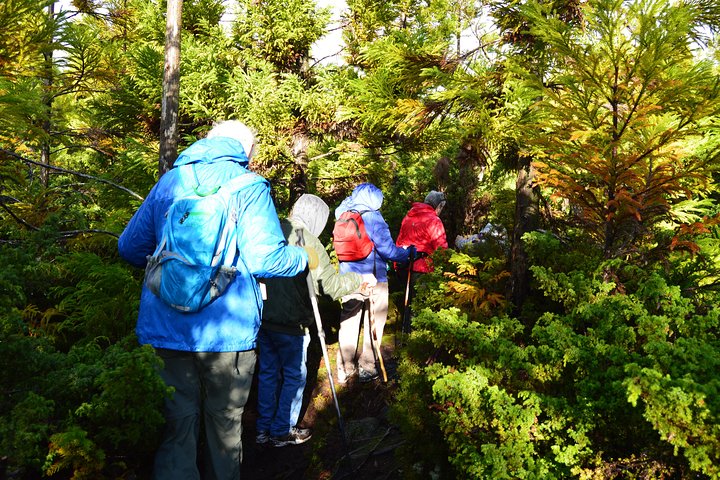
point(327, 56)
point(367, 457)
point(71, 172)
point(18, 219)
point(73, 233)
point(63, 234)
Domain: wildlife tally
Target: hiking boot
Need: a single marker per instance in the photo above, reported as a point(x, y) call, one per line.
point(343, 377)
point(296, 436)
point(365, 376)
point(262, 438)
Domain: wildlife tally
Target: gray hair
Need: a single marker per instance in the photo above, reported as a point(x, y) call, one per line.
point(435, 198)
point(237, 130)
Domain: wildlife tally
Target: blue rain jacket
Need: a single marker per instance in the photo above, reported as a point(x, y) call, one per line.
point(368, 198)
point(231, 322)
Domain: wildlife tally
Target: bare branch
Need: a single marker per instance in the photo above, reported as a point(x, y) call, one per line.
point(18, 219)
point(72, 172)
point(319, 60)
point(75, 233)
point(63, 234)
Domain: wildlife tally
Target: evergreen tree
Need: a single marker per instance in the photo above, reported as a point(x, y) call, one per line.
point(530, 51)
point(277, 90)
point(421, 99)
point(626, 117)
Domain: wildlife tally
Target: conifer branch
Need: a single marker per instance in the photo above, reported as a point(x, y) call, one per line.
point(72, 172)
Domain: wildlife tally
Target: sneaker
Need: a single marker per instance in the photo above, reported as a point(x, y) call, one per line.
point(262, 438)
point(295, 437)
point(365, 376)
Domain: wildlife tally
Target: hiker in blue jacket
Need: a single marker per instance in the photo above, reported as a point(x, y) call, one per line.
point(209, 355)
point(366, 198)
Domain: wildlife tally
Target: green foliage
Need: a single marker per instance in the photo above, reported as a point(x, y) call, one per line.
point(84, 410)
point(465, 282)
point(280, 32)
point(26, 429)
point(73, 379)
point(611, 372)
point(625, 117)
point(73, 451)
point(120, 413)
point(89, 300)
point(28, 31)
point(623, 368)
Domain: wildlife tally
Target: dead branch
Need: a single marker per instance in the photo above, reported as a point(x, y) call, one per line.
point(72, 172)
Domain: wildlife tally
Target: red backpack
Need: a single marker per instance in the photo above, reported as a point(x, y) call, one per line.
point(350, 238)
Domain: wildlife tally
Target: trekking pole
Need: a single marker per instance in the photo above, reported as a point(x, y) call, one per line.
point(326, 357)
point(323, 346)
point(374, 339)
point(406, 310)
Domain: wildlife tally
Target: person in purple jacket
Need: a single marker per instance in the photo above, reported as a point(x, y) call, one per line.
point(367, 199)
point(209, 355)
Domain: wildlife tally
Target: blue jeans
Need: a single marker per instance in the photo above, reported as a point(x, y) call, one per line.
point(281, 380)
point(215, 385)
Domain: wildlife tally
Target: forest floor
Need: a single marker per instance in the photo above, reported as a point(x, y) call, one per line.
point(370, 438)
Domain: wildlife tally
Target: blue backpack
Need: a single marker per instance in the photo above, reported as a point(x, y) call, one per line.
point(194, 262)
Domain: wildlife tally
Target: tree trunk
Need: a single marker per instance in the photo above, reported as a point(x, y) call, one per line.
point(48, 80)
point(298, 181)
point(462, 214)
point(171, 88)
point(527, 216)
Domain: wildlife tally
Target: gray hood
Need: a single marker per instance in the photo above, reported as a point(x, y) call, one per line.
point(312, 212)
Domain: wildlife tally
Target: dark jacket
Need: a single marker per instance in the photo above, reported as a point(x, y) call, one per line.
point(287, 307)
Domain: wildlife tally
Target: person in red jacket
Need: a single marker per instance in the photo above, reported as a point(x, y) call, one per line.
point(423, 228)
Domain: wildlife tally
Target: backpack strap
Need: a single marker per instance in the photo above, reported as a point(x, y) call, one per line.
point(228, 189)
point(201, 192)
point(243, 180)
point(374, 250)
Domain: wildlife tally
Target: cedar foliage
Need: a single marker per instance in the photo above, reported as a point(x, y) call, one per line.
point(608, 383)
point(611, 372)
point(626, 125)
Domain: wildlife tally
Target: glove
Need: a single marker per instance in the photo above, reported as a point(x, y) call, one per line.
point(369, 279)
point(313, 259)
point(368, 282)
point(412, 251)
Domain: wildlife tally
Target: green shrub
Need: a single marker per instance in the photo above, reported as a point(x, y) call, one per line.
point(618, 379)
point(88, 410)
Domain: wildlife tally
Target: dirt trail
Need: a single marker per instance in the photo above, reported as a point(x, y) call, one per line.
point(371, 442)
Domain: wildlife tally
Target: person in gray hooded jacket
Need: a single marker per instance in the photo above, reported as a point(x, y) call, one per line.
point(287, 314)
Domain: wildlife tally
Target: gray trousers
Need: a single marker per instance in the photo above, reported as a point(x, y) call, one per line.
point(216, 385)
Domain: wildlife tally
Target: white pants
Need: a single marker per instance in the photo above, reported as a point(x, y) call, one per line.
point(355, 308)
